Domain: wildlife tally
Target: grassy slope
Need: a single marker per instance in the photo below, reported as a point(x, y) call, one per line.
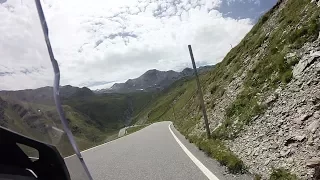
point(269, 71)
point(272, 69)
point(93, 119)
point(102, 115)
point(33, 125)
point(110, 110)
point(105, 110)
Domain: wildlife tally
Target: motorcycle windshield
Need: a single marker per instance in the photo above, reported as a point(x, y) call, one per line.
point(27, 103)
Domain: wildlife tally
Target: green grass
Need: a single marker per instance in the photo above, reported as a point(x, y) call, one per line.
point(112, 136)
point(82, 127)
point(110, 110)
point(24, 117)
point(93, 119)
point(282, 174)
point(140, 100)
point(243, 108)
point(106, 110)
point(257, 177)
point(216, 149)
point(135, 129)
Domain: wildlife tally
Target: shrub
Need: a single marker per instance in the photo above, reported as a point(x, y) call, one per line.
point(297, 34)
point(264, 18)
point(282, 174)
point(257, 177)
point(274, 50)
point(286, 77)
point(216, 149)
point(314, 28)
point(214, 89)
point(281, 63)
point(289, 21)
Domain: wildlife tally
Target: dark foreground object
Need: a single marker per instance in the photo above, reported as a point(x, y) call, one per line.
point(15, 164)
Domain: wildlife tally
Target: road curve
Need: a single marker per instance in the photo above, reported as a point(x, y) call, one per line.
point(151, 153)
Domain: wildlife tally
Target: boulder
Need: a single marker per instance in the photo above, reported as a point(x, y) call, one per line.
point(313, 126)
point(305, 63)
point(316, 115)
point(313, 162)
point(295, 138)
point(271, 99)
point(302, 118)
point(299, 137)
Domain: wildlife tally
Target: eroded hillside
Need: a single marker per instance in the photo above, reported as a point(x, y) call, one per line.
point(262, 99)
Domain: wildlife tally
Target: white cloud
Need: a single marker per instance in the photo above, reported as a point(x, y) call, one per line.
point(24, 58)
point(257, 2)
point(105, 41)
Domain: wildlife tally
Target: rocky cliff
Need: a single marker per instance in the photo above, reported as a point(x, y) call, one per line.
point(287, 134)
point(262, 100)
point(269, 113)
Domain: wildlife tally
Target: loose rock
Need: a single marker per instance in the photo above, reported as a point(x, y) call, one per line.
point(313, 126)
point(313, 162)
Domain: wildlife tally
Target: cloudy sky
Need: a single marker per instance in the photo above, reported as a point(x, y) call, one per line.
point(100, 42)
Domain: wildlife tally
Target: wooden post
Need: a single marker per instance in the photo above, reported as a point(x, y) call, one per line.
point(174, 113)
point(206, 122)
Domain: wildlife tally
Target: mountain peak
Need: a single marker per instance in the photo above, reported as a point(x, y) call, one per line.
point(154, 80)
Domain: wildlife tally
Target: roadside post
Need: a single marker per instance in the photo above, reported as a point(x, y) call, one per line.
point(206, 122)
point(174, 113)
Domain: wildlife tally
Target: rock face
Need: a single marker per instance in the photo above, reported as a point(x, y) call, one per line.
point(314, 162)
point(287, 135)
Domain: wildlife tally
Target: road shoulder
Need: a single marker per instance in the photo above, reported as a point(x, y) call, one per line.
point(212, 165)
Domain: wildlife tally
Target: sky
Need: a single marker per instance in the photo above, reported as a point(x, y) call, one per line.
point(99, 42)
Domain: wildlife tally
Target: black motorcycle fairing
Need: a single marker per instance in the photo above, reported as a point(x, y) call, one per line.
point(13, 161)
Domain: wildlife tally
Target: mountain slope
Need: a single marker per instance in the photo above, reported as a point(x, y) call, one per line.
point(262, 99)
point(110, 111)
point(44, 95)
point(91, 118)
point(40, 121)
point(153, 80)
point(149, 81)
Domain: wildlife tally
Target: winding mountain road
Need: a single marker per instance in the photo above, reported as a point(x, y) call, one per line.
point(155, 152)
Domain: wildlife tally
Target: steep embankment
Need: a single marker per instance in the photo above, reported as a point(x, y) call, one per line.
point(262, 99)
point(40, 121)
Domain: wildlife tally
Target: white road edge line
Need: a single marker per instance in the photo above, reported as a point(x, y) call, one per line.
point(196, 161)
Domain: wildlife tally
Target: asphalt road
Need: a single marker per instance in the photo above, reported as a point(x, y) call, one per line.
point(150, 154)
